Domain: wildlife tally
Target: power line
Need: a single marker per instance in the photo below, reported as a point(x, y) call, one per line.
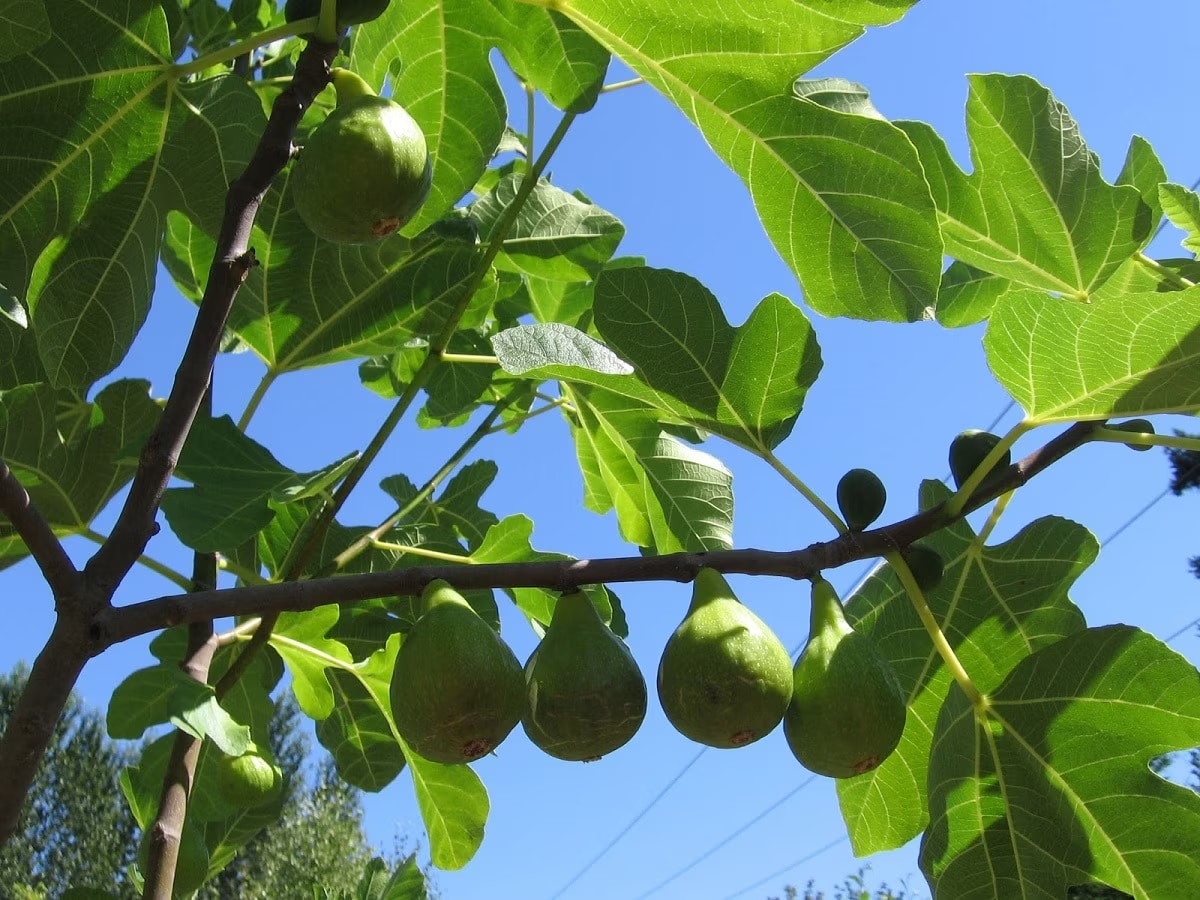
point(721, 843)
point(781, 871)
point(629, 827)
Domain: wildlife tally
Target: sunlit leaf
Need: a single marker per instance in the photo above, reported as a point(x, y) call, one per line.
point(1128, 355)
point(1051, 785)
point(996, 605)
point(1036, 209)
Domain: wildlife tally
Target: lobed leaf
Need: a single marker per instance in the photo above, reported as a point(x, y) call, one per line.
point(1050, 785)
point(996, 605)
point(1130, 355)
point(1036, 209)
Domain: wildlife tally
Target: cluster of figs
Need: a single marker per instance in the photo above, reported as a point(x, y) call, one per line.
point(724, 678)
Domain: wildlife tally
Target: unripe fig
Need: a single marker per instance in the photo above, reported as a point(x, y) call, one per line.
point(926, 565)
point(861, 497)
point(1134, 426)
point(456, 690)
point(585, 695)
point(724, 678)
point(968, 450)
point(248, 780)
point(847, 710)
point(364, 171)
point(349, 12)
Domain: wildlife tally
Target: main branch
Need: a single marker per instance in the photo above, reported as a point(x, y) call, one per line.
point(115, 625)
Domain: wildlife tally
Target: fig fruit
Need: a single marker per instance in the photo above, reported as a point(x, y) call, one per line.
point(926, 565)
point(968, 450)
point(248, 780)
point(585, 695)
point(456, 690)
point(364, 171)
point(724, 678)
point(861, 497)
point(847, 711)
point(1134, 426)
point(349, 12)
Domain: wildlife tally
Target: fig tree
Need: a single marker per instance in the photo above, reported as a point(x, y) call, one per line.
point(969, 449)
point(456, 690)
point(349, 12)
point(364, 171)
point(847, 710)
point(585, 695)
point(724, 678)
point(861, 497)
point(248, 780)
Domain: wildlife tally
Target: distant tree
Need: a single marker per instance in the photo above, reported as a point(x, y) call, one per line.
point(853, 887)
point(76, 830)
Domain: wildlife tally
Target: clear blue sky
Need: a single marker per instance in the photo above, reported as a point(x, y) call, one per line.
point(890, 397)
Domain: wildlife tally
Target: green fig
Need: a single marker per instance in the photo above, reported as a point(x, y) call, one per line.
point(926, 565)
point(364, 171)
point(847, 711)
point(861, 497)
point(724, 678)
point(248, 780)
point(457, 690)
point(1134, 426)
point(349, 12)
point(968, 450)
point(585, 695)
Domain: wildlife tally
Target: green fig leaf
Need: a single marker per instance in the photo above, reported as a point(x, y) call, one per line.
point(24, 26)
point(300, 638)
point(528, 347)
point(1182, 207)
point(1036, 209)
point(841, 196)
point(996, 605)
point(1144, 170)
point(1059, 360)
point(1022, 804)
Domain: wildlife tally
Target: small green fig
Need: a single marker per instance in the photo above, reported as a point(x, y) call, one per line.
point(364, 171)
point(248, 780)
point(861, 497)
point(847, 711)
point(969, 449)
point(724, 678)
point(1134, 426)
point(457, 690)
point(926, 565)
point(585, 695)
point(349, 12)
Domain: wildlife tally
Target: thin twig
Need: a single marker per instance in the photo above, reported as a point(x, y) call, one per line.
point(43, 545)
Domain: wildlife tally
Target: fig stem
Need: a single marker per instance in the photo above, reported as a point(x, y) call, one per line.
point(244, 46)
point(1146, 439)
point(256, 398)
point(954, 506)
point(479, 358)
point(1164, 272)
point(993, 519)
point(326, 30)
point(621, 85)
point(808, 493)
point(422, 551)
point(917, 597)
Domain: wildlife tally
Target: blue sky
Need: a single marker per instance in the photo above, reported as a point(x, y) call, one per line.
point(890, 398)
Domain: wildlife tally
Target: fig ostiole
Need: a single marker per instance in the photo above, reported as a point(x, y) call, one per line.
point(457, 690)
point(364, 171)
point(847, 711)
point(724, 678)
point(861, 497)
point(585, 695)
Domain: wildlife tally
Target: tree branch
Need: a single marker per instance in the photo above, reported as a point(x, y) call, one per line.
point(115, 625)
point(231, 263)
point(58, 570)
